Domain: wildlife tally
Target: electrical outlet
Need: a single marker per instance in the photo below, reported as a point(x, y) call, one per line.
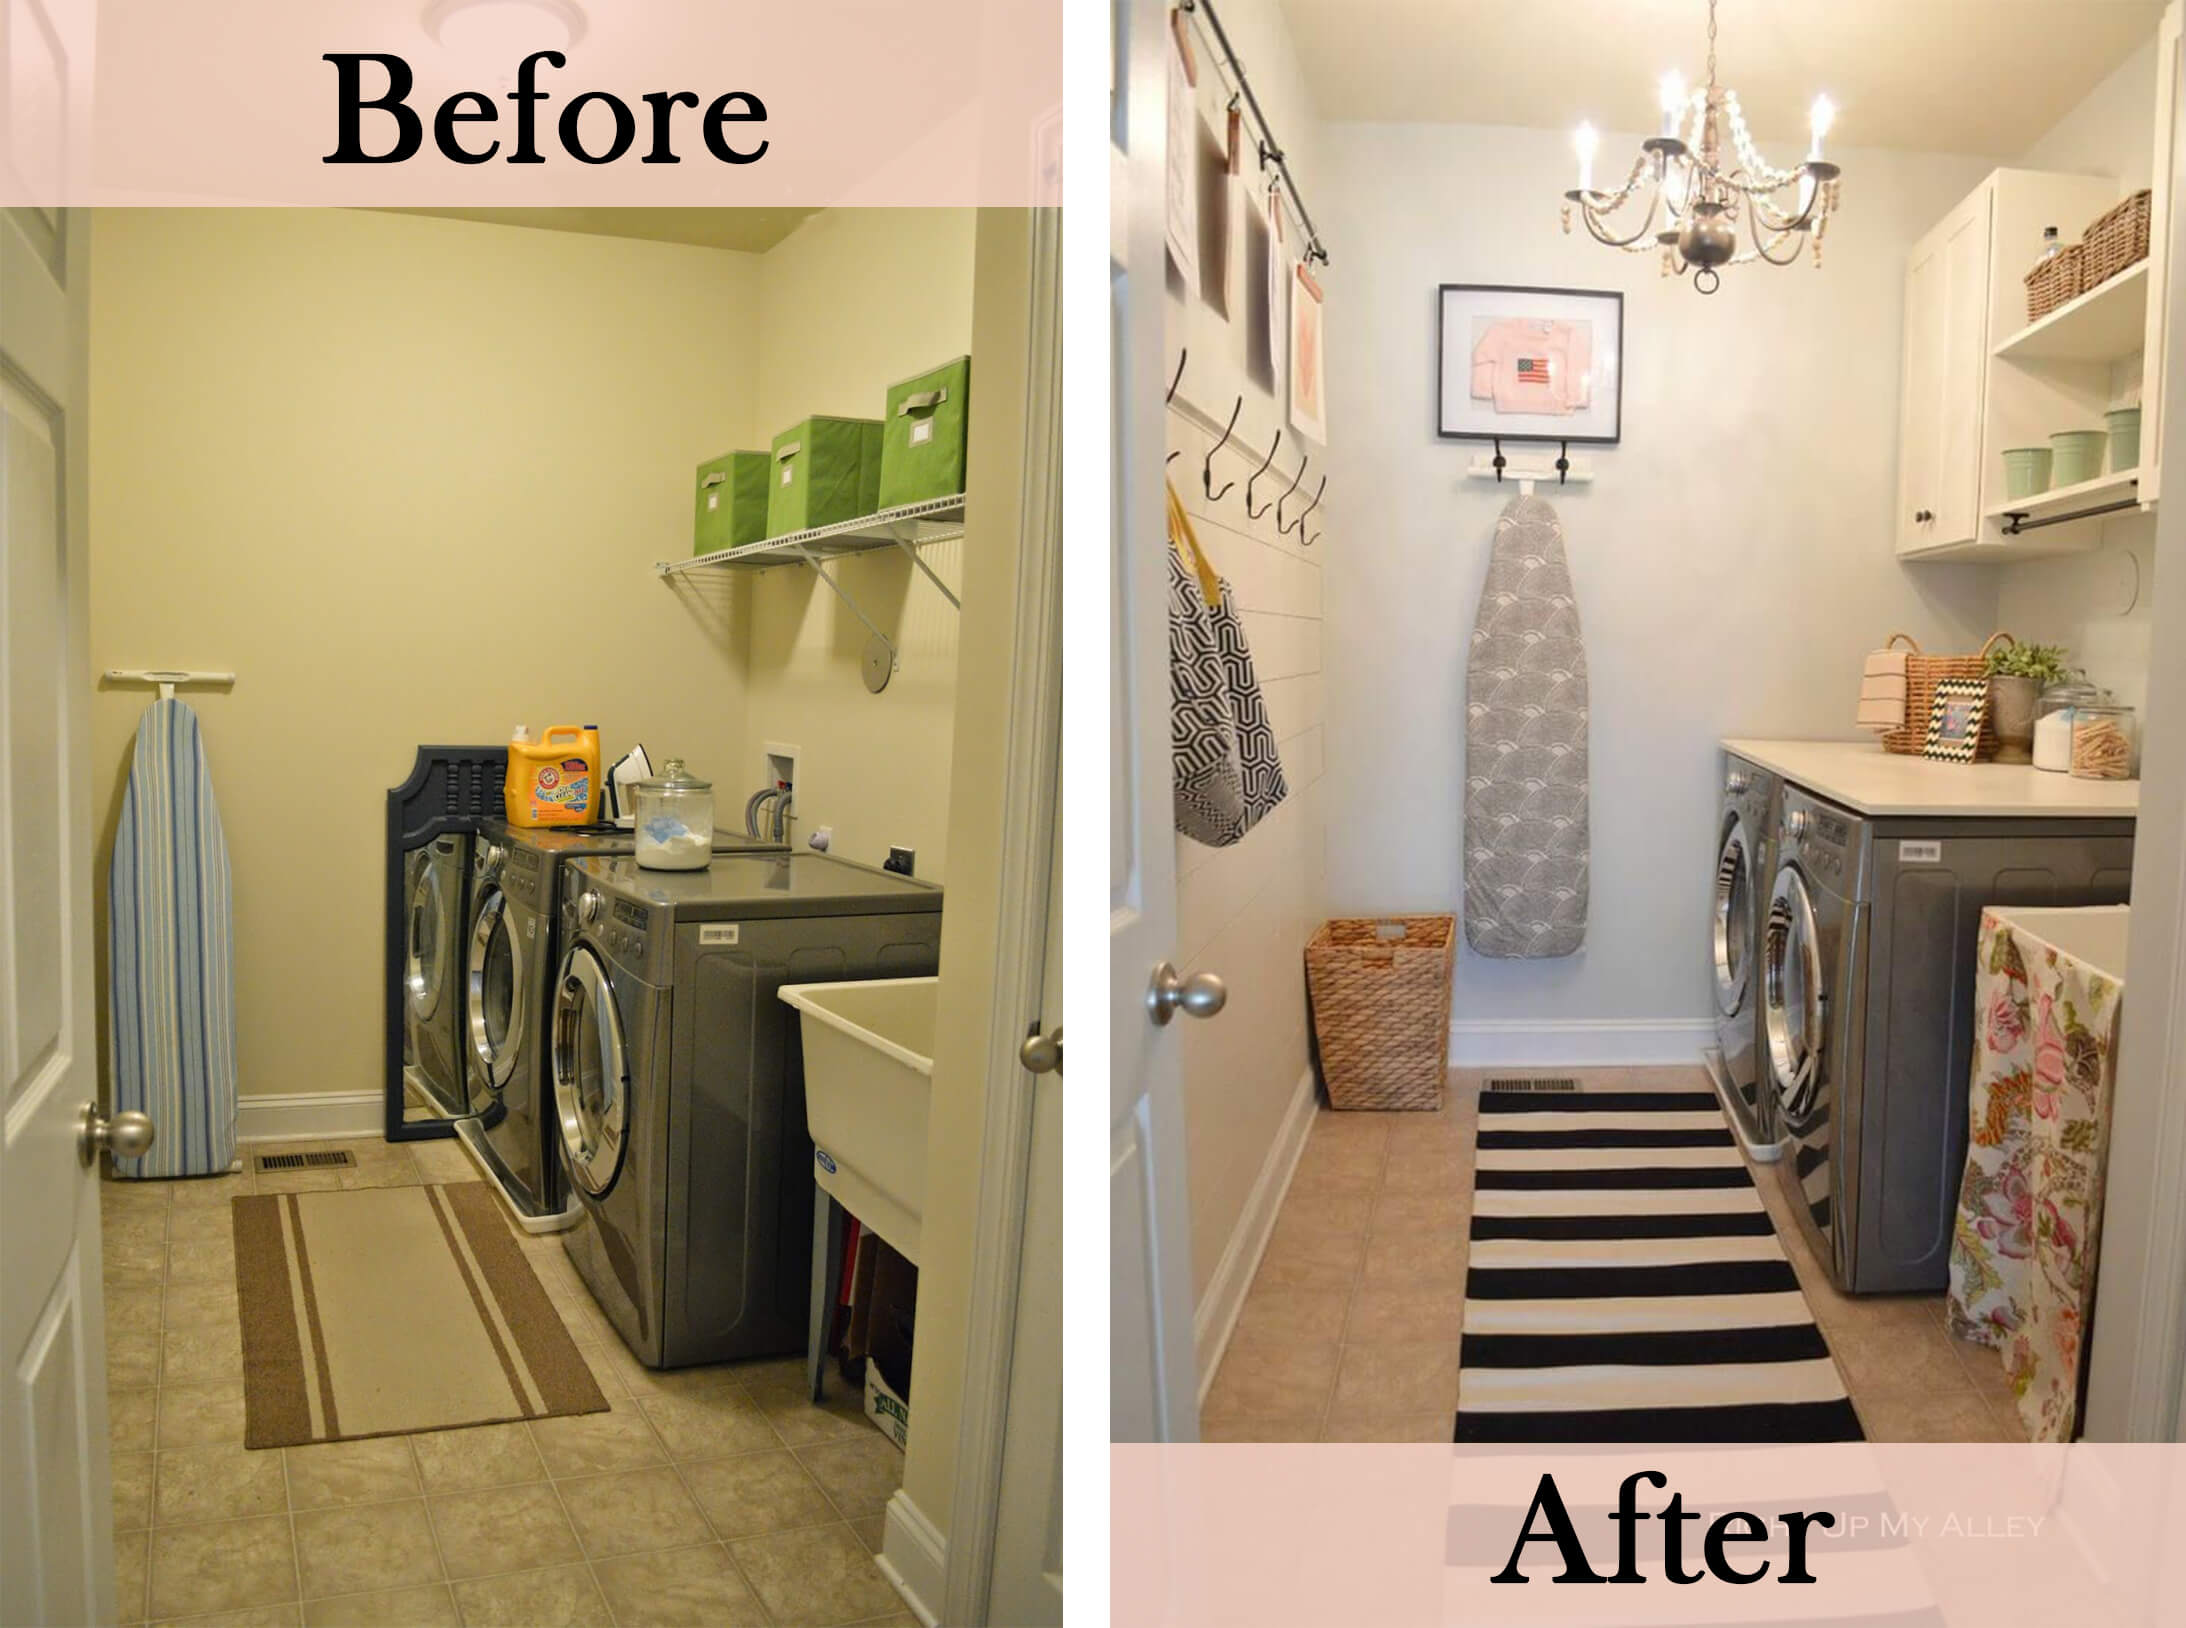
point(900, 859)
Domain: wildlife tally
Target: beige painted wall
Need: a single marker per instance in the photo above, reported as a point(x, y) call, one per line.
point(406, 478)
point(853, 301)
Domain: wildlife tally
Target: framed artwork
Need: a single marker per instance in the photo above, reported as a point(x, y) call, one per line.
point(1529, 364)
point(1955, 719)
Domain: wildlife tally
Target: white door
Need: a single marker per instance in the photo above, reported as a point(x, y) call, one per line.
point(1153, 1392)
point(56, 1518)
point(1964, 265)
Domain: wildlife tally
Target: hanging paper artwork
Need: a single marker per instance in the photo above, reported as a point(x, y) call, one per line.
point(1308, 371)
point(1181, 186)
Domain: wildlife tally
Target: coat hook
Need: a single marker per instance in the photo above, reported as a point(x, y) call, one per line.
point(1563, 461)
point(1498, 450)
point(1280, 528)
point(1206, 471)
point(1179, 379)
point(1300, 527)
point(1252, 513)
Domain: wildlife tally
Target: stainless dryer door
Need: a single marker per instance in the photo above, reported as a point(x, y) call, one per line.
point(1732, 936)
point(591, 1072)
point(496, 994)
point(432, 913)
point(1793, 997)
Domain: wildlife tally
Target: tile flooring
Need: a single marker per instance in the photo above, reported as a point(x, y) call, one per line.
point(712, 1495)
point(1351, 1329)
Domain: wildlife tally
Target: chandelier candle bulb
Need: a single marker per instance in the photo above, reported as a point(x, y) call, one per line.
point(1673, 101)
point(1819, 119)
point(1584, 142)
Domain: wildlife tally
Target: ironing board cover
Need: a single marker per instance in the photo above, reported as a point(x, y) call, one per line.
point(1526, 853)
point(171, 1019)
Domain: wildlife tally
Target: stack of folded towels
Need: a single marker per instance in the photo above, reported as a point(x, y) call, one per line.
point(1882, 691)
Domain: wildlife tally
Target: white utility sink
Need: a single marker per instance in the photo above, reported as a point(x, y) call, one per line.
point(869, 1064)
point(2093, 935)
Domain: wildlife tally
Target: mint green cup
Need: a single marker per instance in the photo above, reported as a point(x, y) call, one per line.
point(2124, 423)
point(2026, 471)
point(2079, 455)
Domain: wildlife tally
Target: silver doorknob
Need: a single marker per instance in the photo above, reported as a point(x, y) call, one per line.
point(1042, 1053)
point(1200, 996)
point(128, 1135)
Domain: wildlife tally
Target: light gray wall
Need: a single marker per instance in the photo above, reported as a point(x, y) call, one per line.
point(1746, 514)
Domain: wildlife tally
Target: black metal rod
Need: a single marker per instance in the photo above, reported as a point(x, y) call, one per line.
point(2016, 521)
point(1271, 151)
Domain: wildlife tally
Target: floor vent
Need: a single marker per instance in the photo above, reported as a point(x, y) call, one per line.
point(343, 1160)
point(1509, 1082)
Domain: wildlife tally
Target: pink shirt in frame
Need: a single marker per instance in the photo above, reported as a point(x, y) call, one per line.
point(1535, 365)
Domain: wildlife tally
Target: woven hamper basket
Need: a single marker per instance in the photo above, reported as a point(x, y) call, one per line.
point(1922, 674)
point(1381, 1008)
point(2054, 281)
point(2114, 240)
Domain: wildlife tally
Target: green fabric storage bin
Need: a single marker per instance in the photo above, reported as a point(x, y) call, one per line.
point(732, 502)
point(922, 441)
point(826, 471)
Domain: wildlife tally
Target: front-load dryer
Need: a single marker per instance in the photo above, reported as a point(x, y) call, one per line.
point(1745, 833)
point(432, 979)
point(510, 950)
point(1867, 983)
point(679, 1083)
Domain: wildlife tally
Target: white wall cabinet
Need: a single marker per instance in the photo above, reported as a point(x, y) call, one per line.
point(1980, 379)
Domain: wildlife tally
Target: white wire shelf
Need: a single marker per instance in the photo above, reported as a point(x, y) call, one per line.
point(908, 526)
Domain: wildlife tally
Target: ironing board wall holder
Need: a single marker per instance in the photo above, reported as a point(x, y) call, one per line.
point(1563, 472)
point(450, 788)
point(167, 678)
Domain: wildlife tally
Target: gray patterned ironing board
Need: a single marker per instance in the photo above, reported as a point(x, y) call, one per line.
point(1526, 853)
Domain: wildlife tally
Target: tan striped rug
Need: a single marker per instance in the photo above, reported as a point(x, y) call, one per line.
point(388, 1310)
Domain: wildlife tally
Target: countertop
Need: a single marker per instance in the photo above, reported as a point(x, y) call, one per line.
point(1865, 778)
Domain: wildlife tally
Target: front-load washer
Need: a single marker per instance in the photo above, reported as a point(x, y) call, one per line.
point(432, 977)
point(1868, 977)
point(1745, 835)
point(510, 951)
point(679, 1083)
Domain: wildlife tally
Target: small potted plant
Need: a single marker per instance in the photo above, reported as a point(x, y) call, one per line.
point(2018, 673)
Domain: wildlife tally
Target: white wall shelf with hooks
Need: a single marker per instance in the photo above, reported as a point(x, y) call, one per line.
point(909, 527)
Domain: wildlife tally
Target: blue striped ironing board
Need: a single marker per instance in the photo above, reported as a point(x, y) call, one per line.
point(171, 1019)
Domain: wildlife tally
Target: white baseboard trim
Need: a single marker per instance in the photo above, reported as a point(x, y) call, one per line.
point(914, 1557)
point(305, 1116)
point(1596, 1042)
point(1215, 1318)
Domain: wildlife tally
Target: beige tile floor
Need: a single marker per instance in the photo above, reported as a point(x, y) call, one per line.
point(1351, 1329)
point(714, 1495)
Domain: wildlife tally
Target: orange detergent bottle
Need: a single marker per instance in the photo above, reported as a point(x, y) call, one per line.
point(554, 780)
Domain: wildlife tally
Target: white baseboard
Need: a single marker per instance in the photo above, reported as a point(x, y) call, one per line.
point(305, 1116)
point(1215, 1318)
point(1593, 1042)
point(914, 1557)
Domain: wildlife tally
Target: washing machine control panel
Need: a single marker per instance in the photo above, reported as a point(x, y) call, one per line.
point(1819, 837)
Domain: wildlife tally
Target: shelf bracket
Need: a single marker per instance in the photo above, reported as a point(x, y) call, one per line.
point(919, 560)
point(820, 570)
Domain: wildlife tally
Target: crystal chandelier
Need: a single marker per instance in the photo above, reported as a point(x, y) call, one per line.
point(1695, 192)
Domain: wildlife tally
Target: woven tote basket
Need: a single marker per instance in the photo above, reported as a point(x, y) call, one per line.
point(1922, 674)
point(2115, 240)
point(1381, 1008)
point(2053, 281)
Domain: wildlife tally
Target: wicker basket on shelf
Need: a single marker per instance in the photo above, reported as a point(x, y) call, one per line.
point(2054, 281)
point(1922, 674)
point(2115, 239)
point(1381, 1008)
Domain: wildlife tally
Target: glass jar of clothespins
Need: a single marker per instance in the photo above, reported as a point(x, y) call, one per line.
point(2105, 739)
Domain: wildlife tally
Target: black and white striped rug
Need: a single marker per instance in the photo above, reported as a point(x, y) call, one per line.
point(1625, 1283)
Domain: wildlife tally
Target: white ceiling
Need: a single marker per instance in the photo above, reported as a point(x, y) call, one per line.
point(752, 230)
point(1960, 76)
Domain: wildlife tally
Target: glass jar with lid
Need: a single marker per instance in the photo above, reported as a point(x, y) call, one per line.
point(2053, 722)
point(2105, 741)
point(674, 820)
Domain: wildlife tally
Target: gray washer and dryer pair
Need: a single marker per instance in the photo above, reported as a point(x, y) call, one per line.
point(510, 949)
point(1867, 1000)
point(1745, 863)
point(679, 1083)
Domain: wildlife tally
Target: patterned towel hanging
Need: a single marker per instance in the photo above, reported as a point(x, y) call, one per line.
point(1229, 775)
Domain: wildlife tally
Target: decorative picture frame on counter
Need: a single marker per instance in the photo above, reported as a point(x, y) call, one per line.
point(1956, 716)
point(1529, 364)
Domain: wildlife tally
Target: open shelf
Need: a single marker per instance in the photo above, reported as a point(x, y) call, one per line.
point(2087, 494)
point(2106, 324)
point(909, 526)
